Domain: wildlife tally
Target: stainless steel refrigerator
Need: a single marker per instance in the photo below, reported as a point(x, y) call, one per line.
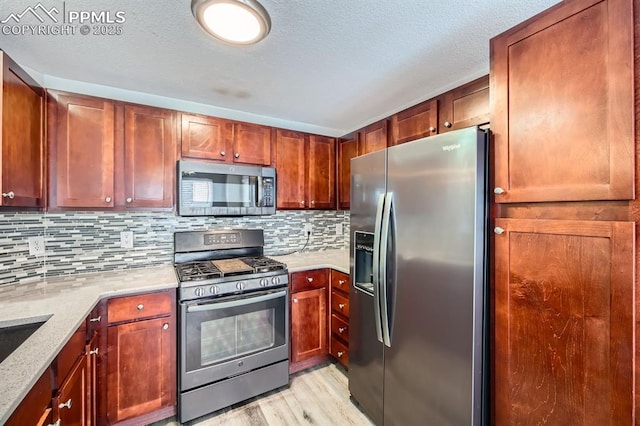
point(418, 309)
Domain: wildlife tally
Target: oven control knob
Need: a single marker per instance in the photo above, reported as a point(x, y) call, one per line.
point(275, 280)
point(199, 291)
point(214, 289)
point(240, 285)
point(264, 282)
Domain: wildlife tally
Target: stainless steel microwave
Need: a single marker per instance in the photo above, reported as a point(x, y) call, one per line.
point(206, 189)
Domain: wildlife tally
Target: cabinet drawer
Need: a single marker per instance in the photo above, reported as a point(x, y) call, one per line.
point(309, 280)
point(339, 351)
point(339, 303)
point(340, 281)
point(339, 327)
point(140, 306)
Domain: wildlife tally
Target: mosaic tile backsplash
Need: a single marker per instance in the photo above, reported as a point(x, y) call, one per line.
point(80, 242)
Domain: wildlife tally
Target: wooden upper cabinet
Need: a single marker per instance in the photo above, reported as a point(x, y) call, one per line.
point(251, 144)
point(373, 137)
point(562, 107)
point(464, 106)
point(21, 111)
point(564, 332)
point(291, 169)
point(321, 184)
point(415, 122)
point(149, 157)
point(347, 149)
point(205, 137)
point(81, 150)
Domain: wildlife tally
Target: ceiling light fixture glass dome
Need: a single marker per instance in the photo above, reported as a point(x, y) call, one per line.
point(233, 21)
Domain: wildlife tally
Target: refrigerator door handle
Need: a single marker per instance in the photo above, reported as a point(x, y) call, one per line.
point(376, 267)
point(384, 259)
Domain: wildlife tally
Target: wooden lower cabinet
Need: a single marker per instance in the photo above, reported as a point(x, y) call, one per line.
point(564, 322)
point(35, 408)
point(339, 319)
point(72, 401)
point(141, 360)
point(308, 324)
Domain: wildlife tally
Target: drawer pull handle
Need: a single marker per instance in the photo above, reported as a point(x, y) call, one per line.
point(9, 194)
point(96, 319)
point(140, 307)
point(66, 404)
point(310, 279)
point(341, 306)
point(94, 351)
point(165, 326)
point(342, 329)
point(340, 353)
point(295, 300)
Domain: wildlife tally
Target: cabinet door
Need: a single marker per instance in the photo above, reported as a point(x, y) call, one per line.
point(465, 106)
point(22, 141)
point(149, 157)
point(373, 137)
point(562, 104)
point(291, 170)
point(415, 123)
point(321, 185)
point(347, 150)
point(204, 137)
point(308, 324)
point(251, 144)
point(564, 323)
point(141, 368)
point(71, 400)
point(36, 405)
point(82, 152)
point(92, 351)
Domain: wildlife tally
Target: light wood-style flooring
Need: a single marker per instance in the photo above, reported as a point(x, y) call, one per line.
point(318, 396)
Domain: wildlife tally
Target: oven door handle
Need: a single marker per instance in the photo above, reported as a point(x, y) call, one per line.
point(225, 305)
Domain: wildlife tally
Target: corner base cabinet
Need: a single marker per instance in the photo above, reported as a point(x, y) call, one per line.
point(141, 357)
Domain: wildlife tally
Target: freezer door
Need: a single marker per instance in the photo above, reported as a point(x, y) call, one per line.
point(433, 367)
point(368, 180)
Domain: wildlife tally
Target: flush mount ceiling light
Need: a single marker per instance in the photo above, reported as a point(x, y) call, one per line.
point(233, 21)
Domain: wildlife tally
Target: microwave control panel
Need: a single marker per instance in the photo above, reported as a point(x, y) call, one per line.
point(267, 186)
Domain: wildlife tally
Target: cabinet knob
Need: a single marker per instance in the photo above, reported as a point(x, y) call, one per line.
point(432, 129)
point(310, 279)
point(66, 404)
point(94, 351)
point(497, 190)
point(295, 300)
point(341, 306)
point(57, 423)
point(140, 307)
point(342, 329)
point(129, 200)
point(302, 202)
point(107, 200)
point(237, 155)
point(96, 319)
point(222, 153)
point(498, 230)
point(340, 353)
point(341, 282)
point(165, 326)
point(447, 124)
point(9, 194)
point(313, 202)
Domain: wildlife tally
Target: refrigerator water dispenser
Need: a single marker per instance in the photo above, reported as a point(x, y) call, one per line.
point(363, 266)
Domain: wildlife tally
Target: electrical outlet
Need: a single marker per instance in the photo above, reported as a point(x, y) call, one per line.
point(36, 246)
point(339, 229)
point(126, 239)
point(308, 229)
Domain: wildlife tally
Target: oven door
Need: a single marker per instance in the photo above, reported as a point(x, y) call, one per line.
point(221, 338)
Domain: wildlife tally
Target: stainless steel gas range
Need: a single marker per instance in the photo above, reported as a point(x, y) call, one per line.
point(234, 319)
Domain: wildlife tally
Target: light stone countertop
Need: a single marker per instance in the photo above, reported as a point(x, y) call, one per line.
point(66, 301)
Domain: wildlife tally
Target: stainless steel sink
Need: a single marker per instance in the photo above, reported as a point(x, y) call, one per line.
point(13, 336)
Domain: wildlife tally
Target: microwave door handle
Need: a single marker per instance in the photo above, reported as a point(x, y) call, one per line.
point(260, 192)
point(213, 306)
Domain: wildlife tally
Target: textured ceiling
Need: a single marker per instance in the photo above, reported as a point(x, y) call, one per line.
point(327, 67)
